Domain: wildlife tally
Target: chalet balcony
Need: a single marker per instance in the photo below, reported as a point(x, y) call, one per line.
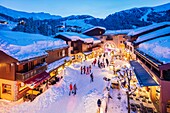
point(21, 76)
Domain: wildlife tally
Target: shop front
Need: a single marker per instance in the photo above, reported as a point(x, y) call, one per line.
point(96, 52)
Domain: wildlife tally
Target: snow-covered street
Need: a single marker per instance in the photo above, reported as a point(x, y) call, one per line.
point(57, 100)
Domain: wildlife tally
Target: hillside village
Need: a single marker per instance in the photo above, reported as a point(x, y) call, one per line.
point(127, 67)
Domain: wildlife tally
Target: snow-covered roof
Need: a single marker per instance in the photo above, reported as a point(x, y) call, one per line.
point(147, 28)
point(96, 40)
point(24, 46)
point(56, 64)
point(154, 34)
point(158, 48)
point(116, 32)
point(73, 36)
point(95, 27)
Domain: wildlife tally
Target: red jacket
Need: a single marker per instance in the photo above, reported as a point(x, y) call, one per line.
point(71, 87)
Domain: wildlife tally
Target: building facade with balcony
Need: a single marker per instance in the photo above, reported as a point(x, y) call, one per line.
point(114, 41)
point(23, 61)
point(151, 45)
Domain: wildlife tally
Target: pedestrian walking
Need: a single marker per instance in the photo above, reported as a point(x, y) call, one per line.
point(84, 69)
point(95, 61)
point(90, 68)
point(87, 70)
point(91, 77)
point(75, 89)
point(71, 88)
point(81, 69)
point(99, 104)
point(107, 62)
point(99, 63)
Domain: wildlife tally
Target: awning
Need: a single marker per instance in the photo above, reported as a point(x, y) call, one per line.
point(37, 80)
point(142, 75)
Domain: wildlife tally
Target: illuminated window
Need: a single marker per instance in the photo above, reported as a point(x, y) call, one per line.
point(63, 52)
point(6, 88)
point(21, 86)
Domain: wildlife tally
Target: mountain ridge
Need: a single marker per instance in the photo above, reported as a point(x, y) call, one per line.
point(125, 19)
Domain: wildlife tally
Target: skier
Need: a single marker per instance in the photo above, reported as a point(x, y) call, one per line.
point(81, 69)
point(91, 76)
point(107, 62)
point(75, 89)
point(71, 88)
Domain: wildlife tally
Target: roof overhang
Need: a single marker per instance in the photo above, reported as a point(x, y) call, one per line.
point(143, 77)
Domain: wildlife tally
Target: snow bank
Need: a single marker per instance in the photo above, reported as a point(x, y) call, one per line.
point(90, 101)
point(41, 102)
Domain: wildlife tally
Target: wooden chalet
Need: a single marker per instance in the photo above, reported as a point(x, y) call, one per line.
point(24, 59)
point(80, 45)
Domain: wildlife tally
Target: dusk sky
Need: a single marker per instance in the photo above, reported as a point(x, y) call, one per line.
point(96, 8)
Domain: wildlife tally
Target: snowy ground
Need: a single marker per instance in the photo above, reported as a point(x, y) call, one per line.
point(57, 100)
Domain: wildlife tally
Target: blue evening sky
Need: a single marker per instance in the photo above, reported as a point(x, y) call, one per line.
point(96, 8)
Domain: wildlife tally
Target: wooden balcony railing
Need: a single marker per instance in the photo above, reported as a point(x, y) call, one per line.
point(24, 76)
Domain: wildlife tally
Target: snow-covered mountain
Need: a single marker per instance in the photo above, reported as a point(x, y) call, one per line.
point(20, 14)
point(135, 17)
point(47, 24)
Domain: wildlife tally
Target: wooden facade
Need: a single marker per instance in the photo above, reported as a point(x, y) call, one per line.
point(54, 55)
point(13, 73)
point(77, 47)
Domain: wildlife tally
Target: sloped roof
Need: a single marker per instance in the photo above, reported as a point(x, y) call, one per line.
point(147, 28)
point(73, 36)
point(95, 27)
point(116, 32)
point(24, 46)
point(154, 34)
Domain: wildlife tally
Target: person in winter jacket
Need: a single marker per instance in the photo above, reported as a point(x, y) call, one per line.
point(91, 76)
point(90, 68)
point(84, 69)
point(87, 71)
point(75, 89)
point(99, 102)
point(107, 62)
point(81, 69)
point(71, 88)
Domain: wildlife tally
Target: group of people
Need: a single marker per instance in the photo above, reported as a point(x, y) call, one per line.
point(73, 89)
point(85, 70)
